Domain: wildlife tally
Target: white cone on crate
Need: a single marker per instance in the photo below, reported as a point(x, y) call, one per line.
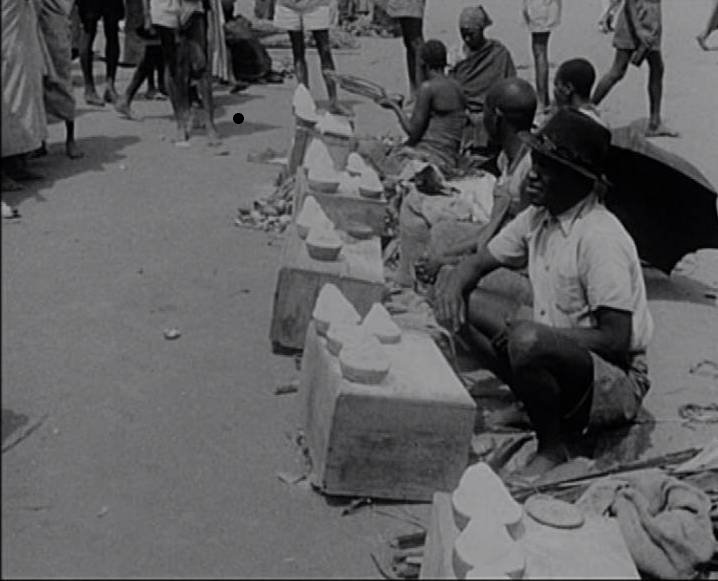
point(333, 307)
point(378, 322)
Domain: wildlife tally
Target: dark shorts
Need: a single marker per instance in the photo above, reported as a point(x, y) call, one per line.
point(91, 11)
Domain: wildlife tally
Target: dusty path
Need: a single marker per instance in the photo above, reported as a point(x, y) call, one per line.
point(159, 458)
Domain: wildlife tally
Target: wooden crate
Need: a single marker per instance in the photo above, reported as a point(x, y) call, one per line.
point(597, 550)
point(403, 439)
point(344, 207)
point(359, 274)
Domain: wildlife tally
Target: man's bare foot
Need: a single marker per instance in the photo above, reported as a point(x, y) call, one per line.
point(9, 212)
point(660, 130)
point(92, 98)
point(213, 137)
point(181, 139)
point(40, 151)
point(239, 86)
point(151, 94)
point(122, 106)
point(72, 151)
point(110, 95)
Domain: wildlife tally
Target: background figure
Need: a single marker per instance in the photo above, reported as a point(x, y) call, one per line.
point(711, 25)
point(142, 48)
point(638, 38)
point(410, 14)
point(218, 54)
point(541, 17)
point(183, 34)
point(23, 113)
point(90, 12)
point(56, 31)
point(298, 17)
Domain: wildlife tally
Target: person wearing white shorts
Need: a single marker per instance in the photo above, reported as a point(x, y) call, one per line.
point(298, 16)
point(541, 17)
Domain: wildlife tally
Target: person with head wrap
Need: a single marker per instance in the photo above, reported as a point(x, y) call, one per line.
point(486, 62)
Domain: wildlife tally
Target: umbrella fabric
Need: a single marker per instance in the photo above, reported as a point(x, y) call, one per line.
point(666, 204)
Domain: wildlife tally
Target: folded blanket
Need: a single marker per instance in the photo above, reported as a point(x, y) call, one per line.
point(665, 522)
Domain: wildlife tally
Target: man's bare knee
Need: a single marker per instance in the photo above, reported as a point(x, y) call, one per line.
point(524, 343)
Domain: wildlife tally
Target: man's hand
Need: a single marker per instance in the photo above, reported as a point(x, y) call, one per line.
point(427, 267)
point(449, 300)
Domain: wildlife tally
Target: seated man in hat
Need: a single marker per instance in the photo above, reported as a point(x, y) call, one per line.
point(486, 61)
point(580, 361)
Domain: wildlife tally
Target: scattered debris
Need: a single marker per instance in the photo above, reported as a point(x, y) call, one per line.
point(291, 387)
point(222, 152)
point(172, 334)
point(103, 511)
point(355, 505)
point(289, 478)
point(704, 414)
point(269, 155)
point(271, 213)
point(26, 434)
point(706, 368)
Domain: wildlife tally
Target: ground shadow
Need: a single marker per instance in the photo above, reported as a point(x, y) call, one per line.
point(230, 128)
point(11, 422)
point(677, 288)
point(99, 150)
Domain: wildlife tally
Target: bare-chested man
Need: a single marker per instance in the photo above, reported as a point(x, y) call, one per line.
point(637, 38)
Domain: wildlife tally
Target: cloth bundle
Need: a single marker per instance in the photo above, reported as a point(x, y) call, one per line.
point(665, 522)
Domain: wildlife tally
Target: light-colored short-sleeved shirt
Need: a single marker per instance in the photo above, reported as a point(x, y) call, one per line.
point(173, 13)
point(579, 261)
point(303, 5)
point(512, 178)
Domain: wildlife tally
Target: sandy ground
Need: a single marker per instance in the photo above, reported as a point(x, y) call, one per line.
point(159, 458)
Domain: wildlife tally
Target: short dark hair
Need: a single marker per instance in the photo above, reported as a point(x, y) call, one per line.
point(580, 73)
point(433, 53)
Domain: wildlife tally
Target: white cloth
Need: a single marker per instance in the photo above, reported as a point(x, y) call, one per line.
point(542, 15)
point(308, 19)
point(24, 124)
point(173, 13)
point(577, 262)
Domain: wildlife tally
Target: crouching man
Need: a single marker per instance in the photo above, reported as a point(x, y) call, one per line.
point(581, 361)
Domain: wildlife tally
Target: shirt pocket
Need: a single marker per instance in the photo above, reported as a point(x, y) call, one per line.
point(569, 295)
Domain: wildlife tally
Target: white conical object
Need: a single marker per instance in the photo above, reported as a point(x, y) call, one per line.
point(342, 334)
point(317, 158)
point(333, 306)
point(486, 543)
point(356, 164)
point(304, 105)
point(378, 322)
point(370, 185)
point(364, 361)
point(323, 243)
point(312, 216)
point(482, 494)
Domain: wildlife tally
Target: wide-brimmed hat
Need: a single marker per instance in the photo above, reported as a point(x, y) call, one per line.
point(574, 140)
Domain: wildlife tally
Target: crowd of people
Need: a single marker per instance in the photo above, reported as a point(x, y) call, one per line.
point(550, 245)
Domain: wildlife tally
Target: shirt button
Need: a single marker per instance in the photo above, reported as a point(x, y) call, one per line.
point(542, 312)
point(547, 268)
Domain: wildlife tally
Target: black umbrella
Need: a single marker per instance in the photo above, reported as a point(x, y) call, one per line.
point(666, 204)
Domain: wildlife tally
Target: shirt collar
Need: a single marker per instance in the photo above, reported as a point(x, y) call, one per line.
point(568, 218)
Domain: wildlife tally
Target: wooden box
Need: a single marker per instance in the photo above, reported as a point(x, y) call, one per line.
point(344, 207)
point(596, 550)
point(359, 274)
point(402, 439)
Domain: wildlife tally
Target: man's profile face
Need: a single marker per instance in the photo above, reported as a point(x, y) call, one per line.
point(544, 180)
point(472, 37)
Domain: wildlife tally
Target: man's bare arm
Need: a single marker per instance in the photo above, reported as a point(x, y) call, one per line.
point(611, 339)
point(450, 291)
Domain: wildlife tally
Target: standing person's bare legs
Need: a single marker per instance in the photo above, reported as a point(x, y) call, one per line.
point(112, 56)
point(71, 149)
point(413, 36)
point(144, 70)
point(656, 127)
point(176, 79)
point(321, 37)
point(539, 47)
point(711, 25)
point(296, 37)
point(197, 34)
point(87, 39)
point(614, 75)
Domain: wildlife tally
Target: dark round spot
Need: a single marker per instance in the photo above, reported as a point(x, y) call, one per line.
point(238, 118)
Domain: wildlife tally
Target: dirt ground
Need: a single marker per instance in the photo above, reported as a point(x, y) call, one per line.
point(156, 458)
